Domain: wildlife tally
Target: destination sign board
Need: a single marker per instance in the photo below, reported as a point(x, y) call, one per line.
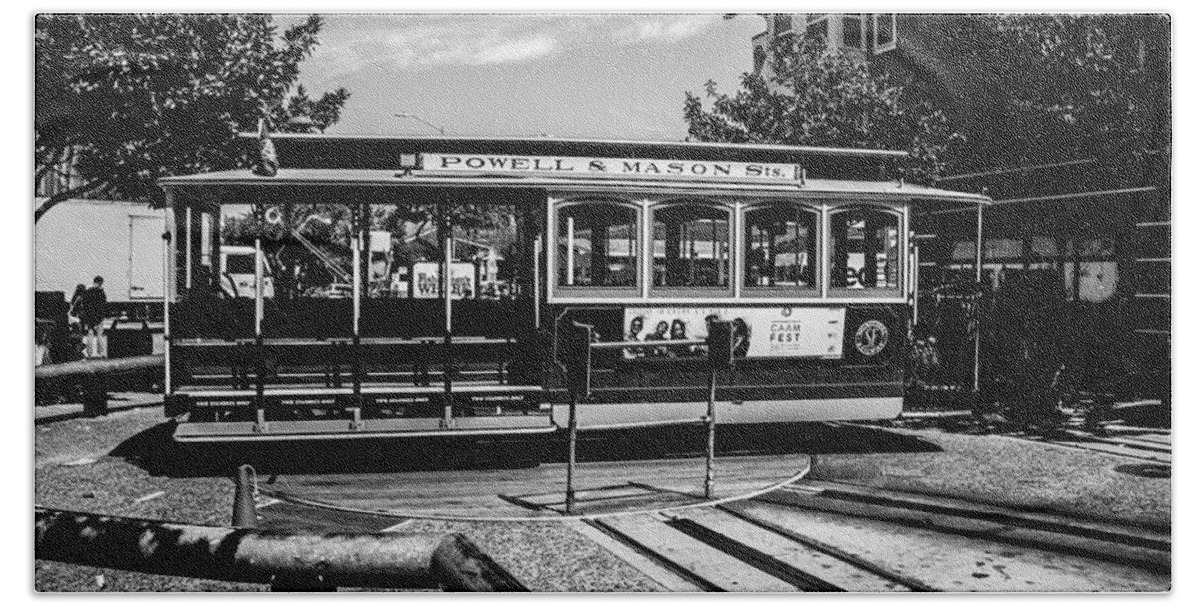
point(629, 167)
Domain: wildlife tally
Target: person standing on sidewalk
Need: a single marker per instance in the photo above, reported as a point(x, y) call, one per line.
point(91, 310)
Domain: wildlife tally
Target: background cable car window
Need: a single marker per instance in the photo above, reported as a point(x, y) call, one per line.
point(597, 245)
point(691, 246)
point(780, 247)
point(865, 246)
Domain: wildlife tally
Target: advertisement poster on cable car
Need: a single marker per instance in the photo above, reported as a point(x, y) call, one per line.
point(777, 331)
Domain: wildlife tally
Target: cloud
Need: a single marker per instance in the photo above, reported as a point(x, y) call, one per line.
point(667, 28)
point(354, 42)
point(517, 50)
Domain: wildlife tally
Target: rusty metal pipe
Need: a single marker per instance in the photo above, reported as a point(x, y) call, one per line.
point(101, 367)
point(379, 560)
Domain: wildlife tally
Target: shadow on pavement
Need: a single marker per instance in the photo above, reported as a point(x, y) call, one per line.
point(155, 451)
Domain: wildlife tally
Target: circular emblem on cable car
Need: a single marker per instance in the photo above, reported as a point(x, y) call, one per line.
point(871, 337)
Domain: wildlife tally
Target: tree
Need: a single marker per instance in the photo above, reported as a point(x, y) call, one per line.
point(806, 95)
point(1077, 87)
point(122, 100)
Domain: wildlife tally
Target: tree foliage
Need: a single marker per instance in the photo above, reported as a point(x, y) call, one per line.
point(1078, 86)
point(806, 95)
point(122, 100)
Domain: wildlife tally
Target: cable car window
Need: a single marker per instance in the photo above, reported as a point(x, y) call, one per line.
point(866, 249)
point(691, 246)
point(406, 254)
point(597, 245)
point(780, 247)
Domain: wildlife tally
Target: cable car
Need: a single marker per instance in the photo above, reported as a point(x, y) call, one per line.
point(423, 286)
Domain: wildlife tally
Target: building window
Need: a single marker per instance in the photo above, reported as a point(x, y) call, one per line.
point(885, 31)
point(780, 248)
point(783, 23)
point(817, 28)
point(865, 246)
point(852, 31)
point(597, 245)
point(691, 246)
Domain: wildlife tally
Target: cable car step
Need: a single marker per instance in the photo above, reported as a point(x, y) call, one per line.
point(205, 392)
point(304, 430)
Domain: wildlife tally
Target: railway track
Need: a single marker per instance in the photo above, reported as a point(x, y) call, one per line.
point(725, 548)
point(833, 537)
point(1151, 447)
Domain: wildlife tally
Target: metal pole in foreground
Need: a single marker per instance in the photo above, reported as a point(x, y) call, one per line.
point(572, 438)
point(578, 366)
point(978, 279)
point(446, 231)
point(711, 419)
point(720, 343)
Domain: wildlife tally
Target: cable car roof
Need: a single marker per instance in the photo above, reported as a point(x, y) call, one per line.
point(321, 151)
point(376, 178)
point(558, 145)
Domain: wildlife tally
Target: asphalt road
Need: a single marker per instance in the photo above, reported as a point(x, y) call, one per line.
point(126, 464)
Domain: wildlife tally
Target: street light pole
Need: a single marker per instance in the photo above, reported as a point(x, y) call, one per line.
point(441, 130)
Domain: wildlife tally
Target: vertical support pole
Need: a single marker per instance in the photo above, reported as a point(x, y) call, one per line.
point(537, 283)
point(978, 279)
point(187, 256)
point(259, 367)
point(710, 459)
point(570, 250)
point(916, 282)
point(359, 218)
point(258, 279)
point(823, 250)
point(447, 233)
point(168, 212)
point(356, 272)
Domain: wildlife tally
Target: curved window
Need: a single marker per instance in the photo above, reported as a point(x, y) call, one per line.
point(691, 246)
point(865, 246)
point(597, 245)
point(780, 247)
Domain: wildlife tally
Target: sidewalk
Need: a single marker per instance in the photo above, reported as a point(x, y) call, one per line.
point(117, 402)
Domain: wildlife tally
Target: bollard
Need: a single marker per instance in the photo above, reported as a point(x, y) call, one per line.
point(94, 395)
point(245, 515)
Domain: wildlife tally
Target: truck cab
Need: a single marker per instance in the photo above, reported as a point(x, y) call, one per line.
point(237, 272)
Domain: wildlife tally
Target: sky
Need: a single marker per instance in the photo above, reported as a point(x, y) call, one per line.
point(607, 76)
